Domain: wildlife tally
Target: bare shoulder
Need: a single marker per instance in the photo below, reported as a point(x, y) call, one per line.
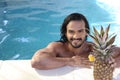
point(51, 49)
point(55, 45)
point(115, 51)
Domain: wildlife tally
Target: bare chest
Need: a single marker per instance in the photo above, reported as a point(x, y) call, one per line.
point(66, 53)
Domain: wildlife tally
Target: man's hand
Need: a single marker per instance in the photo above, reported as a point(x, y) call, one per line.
point(81, 62)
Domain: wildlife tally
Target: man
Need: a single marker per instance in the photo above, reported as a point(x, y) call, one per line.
point(71, 50)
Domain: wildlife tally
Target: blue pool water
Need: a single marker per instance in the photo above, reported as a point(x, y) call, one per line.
point(29, 25)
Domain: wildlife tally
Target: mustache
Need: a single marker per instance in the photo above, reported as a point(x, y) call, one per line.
point(76, 39)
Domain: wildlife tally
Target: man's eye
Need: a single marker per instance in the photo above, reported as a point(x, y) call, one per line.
point(71, 31)
point(81, 30)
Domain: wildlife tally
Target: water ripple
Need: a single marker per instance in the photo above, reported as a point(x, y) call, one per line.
point(4, 38)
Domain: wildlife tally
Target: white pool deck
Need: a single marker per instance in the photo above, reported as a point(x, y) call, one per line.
point(22, 70)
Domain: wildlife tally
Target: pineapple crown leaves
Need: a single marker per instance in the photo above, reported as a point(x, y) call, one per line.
point(101, 39)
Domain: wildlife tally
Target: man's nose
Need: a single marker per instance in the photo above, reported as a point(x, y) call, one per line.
point(76, 36)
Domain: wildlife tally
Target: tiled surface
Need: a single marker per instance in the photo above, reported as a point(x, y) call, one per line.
point(21, 70)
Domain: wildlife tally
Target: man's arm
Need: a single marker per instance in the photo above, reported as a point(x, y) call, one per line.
point(43, 60)
point(116, 55)
point(46, 58)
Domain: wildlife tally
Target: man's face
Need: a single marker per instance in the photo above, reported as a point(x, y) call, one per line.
point(76, 33)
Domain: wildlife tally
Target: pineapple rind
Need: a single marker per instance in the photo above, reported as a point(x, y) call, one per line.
point(102, 52)
point(102, 70)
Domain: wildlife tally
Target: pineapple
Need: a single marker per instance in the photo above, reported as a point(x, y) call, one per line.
point(102, 69)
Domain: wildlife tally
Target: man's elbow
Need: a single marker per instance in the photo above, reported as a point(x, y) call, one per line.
point(33, 64)
point(37, 65)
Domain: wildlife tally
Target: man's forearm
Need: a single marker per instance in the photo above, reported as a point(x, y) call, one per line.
point(51, 63)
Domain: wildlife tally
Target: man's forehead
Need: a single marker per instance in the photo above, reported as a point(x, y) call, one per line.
point(77, 29)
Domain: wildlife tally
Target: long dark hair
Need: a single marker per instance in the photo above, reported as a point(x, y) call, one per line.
point(72, 17)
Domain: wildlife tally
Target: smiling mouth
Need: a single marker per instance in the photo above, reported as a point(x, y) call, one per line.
point(76, 41)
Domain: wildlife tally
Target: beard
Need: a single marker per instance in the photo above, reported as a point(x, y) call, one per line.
point(76, 43)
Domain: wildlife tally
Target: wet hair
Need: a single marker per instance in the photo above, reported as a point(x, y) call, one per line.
point(72, 17)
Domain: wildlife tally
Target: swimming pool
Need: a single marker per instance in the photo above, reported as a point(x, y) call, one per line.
point(28, 25)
